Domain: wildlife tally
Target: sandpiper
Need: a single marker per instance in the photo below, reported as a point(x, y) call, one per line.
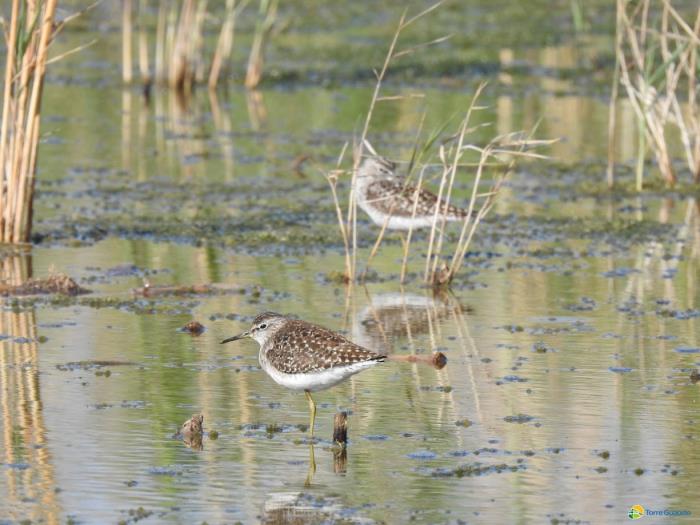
point(382, 193)
point(304, 356)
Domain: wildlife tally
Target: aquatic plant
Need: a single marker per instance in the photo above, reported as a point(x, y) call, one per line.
point(503, 150)
point(267, 15)
point(179, 52)
point(31, 30)
point(657, 64)
point(499, 154)
point(348, 220)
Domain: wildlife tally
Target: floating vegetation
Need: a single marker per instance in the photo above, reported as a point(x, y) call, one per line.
point(90, 365)
point(54, 284)
point(519, 418)
point(474, 469)
point(194, 328)
point(656, 59)
point(620, 369)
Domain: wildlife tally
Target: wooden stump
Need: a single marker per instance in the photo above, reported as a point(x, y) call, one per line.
point(340, 439)
point(340, 429)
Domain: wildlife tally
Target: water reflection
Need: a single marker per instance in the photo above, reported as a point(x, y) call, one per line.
point(173, 133)
point(391, 316)
point(28, 485)
point(284, 508)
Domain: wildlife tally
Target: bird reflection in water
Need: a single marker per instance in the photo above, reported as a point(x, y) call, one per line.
point(392, 316)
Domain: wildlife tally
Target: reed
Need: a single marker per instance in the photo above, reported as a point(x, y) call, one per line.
point(144, 67)
point(347, 218)
point(224, 44)
point(127, 23)
point(450, 154)
point(657, 58)
point(180, 58)
point(267, 15)
point(500, 152)
point(504, 150)
point(27, 41)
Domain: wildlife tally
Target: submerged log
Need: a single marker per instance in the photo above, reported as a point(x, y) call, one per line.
point(437, 360)
point(154, 291)
point(193, 327)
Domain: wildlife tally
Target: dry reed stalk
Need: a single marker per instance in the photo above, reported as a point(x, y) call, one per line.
point(452, 170)
point(126, 41)
point(332, 178)
point(409, 234)
point(159, 59)
point(197, 51)
point(653, 90)
point(144, 67)
point(612, 107)
point(19, 137)
point(181, 73)
point(180, 44)
point(169, 43)
point(267, 16)
point(19, 112)
point(510, 145)
point(416, 157)
point(358, 150)
point(224, 44)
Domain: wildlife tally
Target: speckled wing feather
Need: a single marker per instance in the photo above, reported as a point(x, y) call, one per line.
point(301, 347)
point(395, 197)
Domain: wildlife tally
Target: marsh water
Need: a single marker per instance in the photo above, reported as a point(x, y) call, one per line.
point(570, 334)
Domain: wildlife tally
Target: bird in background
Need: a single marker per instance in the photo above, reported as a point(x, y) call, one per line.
point(382, 193)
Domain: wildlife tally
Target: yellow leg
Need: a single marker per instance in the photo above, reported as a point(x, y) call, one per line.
point(312, 466)
point(312, 408)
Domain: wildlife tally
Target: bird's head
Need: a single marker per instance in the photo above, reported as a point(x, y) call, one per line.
point(262, 328)
point(376, 168)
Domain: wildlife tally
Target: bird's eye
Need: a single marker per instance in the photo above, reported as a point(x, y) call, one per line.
point(262, 326)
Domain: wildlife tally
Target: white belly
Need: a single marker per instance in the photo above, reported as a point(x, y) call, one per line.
point(317, 380)
point(397, 222)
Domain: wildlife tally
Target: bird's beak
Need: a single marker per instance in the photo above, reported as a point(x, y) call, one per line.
point(236, 337)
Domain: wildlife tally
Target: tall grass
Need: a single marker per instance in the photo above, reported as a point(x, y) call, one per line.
point(30, 33)
point(267, 15)
point(348, 218)
point(499, 155)
point(180, 57)
point(657, 53)
point(450, 154)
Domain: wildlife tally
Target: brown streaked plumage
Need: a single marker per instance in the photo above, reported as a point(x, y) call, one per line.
point(299, 347)
point(305, 356)
point(382, 193)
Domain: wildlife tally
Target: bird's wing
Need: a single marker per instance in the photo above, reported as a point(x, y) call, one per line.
point(301, 347)
point(396, 197)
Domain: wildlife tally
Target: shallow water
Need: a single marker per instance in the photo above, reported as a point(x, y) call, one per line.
point(591, 360)
point(570, 334)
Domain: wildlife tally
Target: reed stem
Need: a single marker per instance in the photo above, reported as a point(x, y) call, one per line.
point(19, 136)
